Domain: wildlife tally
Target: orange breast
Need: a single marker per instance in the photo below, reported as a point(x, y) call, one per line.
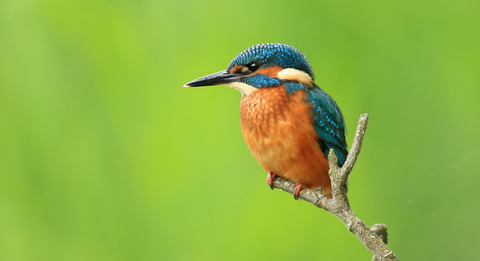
point(278, 129)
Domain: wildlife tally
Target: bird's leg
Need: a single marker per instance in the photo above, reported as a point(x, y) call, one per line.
point(298, 188)
point(270, 179)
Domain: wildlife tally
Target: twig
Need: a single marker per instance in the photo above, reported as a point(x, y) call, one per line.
point(373, 238)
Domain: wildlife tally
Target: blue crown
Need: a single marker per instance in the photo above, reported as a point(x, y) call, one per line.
point(270, 54)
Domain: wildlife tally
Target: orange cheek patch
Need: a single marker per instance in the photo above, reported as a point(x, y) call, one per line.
point(271, 71)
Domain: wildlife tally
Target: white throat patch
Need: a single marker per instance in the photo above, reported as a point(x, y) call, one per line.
point(244, 88)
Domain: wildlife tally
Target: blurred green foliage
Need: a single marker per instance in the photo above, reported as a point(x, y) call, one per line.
point(104, 156)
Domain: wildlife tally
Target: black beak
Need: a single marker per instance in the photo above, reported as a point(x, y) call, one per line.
point(222, 77)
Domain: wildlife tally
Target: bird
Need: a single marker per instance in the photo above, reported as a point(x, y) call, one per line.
point(288, 122)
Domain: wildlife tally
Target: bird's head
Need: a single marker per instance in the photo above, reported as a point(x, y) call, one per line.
point(261, 66)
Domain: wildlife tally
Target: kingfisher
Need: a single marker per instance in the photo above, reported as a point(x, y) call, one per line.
point(288, 122)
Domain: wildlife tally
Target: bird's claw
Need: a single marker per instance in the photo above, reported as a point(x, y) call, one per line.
point(298, 188)
point(271, 176)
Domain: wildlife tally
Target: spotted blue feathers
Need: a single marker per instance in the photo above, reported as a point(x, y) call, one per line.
point(294, 86)
point(266, 55)
point(260, 80)
point(329, 123)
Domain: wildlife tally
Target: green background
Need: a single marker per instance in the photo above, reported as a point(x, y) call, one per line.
point(104, 156)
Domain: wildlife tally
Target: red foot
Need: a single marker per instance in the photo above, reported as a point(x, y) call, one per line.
point(270, 179)
point(298, 188)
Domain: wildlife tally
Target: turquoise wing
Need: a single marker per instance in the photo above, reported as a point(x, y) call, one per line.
point(329, 123)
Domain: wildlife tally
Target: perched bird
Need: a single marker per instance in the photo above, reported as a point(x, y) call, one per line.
point(288, 122)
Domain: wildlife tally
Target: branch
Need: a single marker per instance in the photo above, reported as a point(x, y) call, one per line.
point(373, 238)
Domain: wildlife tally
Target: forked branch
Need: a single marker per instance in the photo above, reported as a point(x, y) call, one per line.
point(373, 238)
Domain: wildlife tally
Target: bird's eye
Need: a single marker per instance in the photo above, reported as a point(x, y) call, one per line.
point(253, 67)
